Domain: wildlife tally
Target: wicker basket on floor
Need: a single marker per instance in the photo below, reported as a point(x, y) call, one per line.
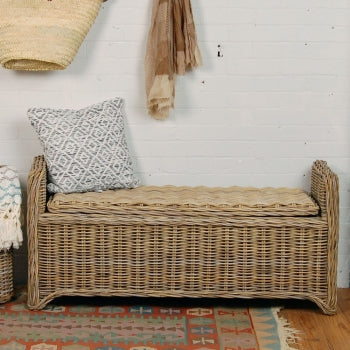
point(6, 275)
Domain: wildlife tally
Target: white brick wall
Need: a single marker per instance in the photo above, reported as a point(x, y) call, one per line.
point(277, 99)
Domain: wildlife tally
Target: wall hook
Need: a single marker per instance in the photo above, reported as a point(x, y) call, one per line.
point(219, 51)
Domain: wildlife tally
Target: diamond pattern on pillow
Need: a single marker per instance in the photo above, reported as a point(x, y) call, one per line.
point(85, 150)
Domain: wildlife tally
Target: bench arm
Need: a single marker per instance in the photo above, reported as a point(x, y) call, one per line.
point(325, 190)
point(36, 205)
point(36, 186)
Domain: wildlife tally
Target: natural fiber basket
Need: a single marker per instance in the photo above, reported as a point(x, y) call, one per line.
point(40, 35)
point(6, 275)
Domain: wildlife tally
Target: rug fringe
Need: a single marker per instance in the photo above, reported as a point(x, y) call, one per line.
point(288, 334)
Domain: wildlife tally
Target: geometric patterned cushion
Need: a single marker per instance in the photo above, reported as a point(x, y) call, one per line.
point(85, 150)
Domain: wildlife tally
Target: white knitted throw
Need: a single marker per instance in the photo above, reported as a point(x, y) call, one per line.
point(10, 209)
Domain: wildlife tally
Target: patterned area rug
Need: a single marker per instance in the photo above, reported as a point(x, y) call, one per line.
point(90, 324)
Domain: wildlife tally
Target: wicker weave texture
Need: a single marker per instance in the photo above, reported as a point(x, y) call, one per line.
point(183, 260)
point(6, 275)
point(43, 35)
point(250, 257)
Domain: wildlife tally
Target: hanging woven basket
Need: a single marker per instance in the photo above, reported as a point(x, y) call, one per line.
point(40, 35)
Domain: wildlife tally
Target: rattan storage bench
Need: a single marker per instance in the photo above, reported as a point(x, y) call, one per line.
point(170, 241)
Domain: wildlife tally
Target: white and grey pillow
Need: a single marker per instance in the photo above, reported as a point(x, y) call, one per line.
point(86, 149)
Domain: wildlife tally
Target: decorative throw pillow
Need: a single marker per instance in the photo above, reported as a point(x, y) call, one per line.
point(85, 150)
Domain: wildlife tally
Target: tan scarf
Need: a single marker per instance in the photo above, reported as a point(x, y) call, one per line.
point(171, 49)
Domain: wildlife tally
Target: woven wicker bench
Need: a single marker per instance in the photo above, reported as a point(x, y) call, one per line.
point(170, 241)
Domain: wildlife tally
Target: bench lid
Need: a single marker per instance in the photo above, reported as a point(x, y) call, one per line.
point(182, 200)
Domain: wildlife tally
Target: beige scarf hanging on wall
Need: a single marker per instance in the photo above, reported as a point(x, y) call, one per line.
point(171, 49)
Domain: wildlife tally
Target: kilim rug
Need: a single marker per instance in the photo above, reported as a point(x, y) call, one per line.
point(87, 325)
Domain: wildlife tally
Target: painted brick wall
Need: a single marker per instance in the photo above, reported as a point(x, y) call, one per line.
point(272, 96)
